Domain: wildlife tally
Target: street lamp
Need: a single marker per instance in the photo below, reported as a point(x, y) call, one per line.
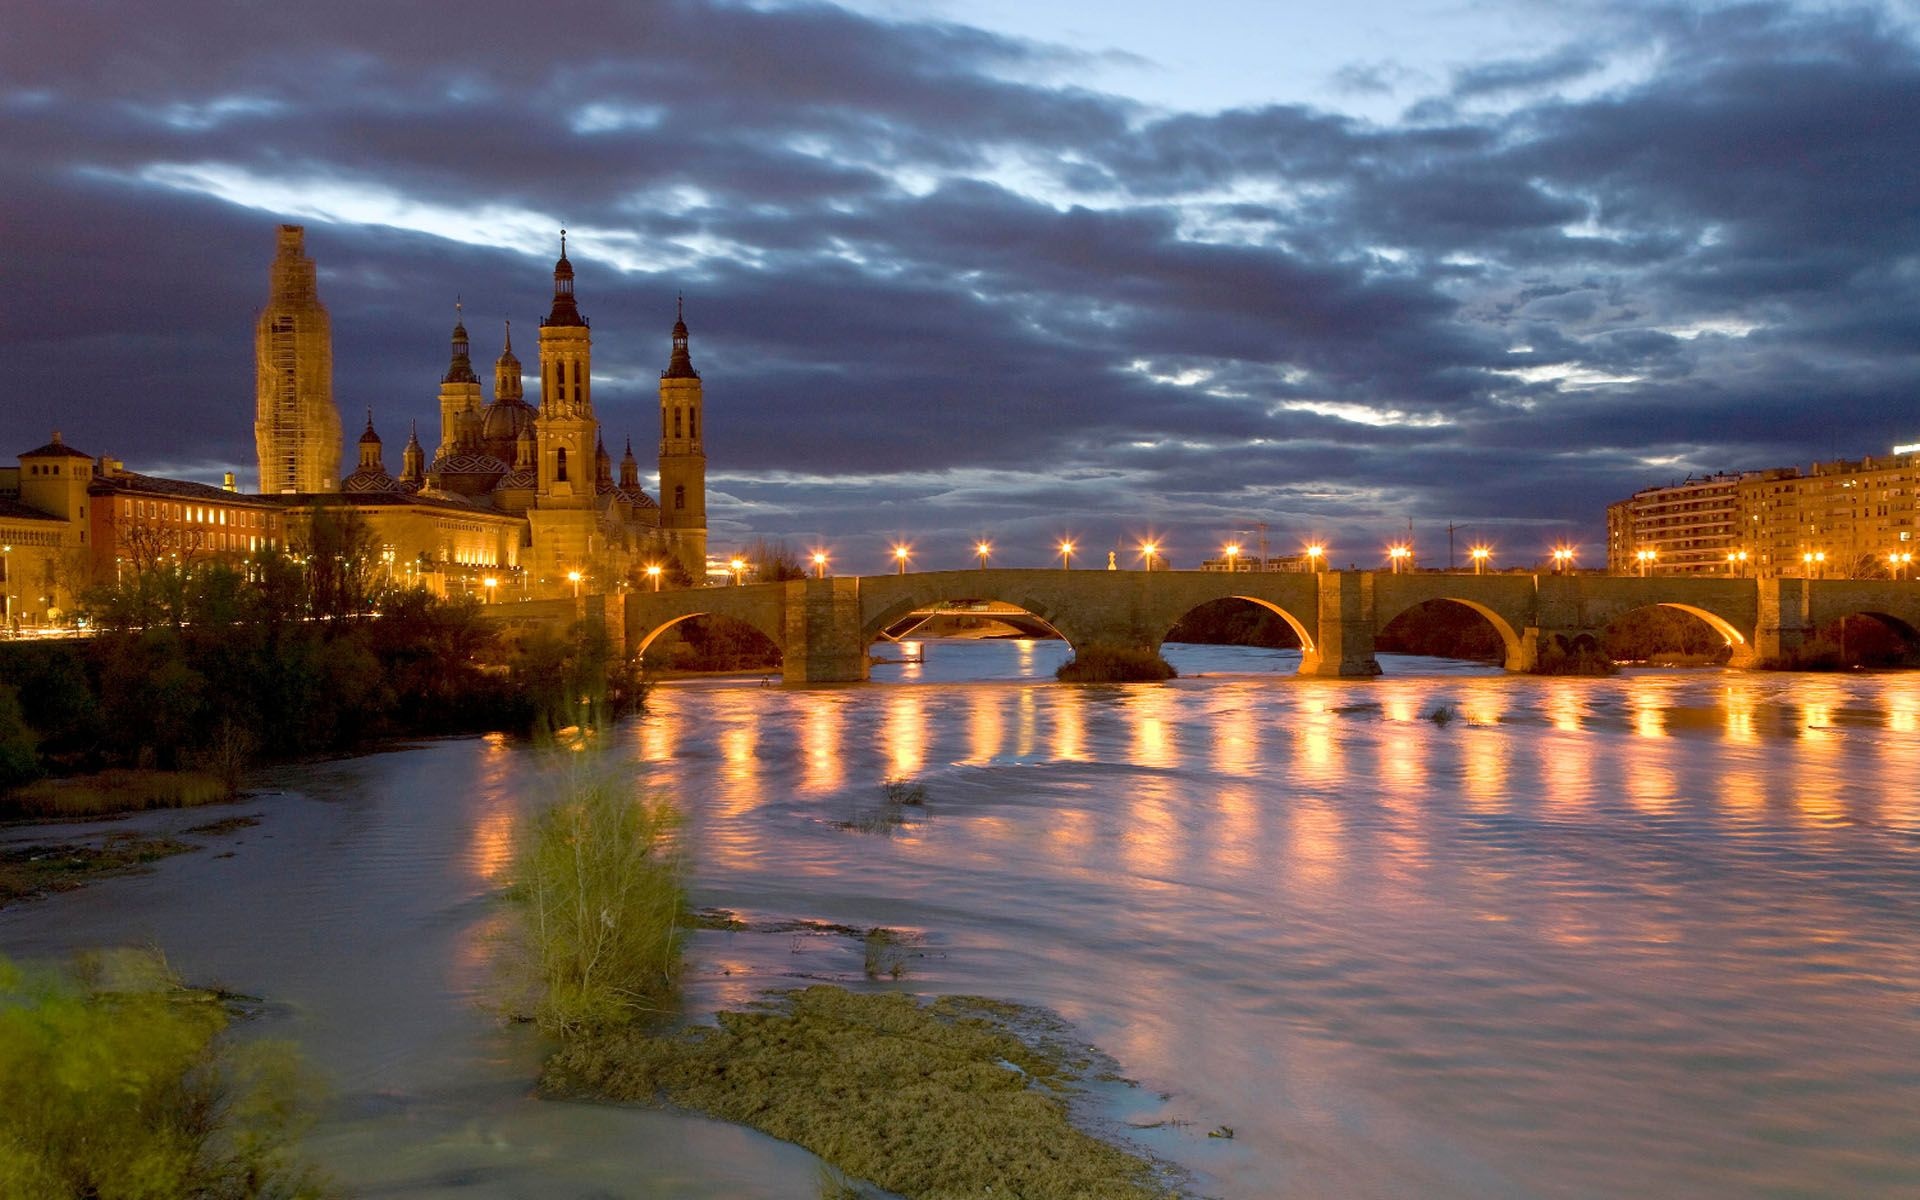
point(1066, 556)
point(1315, 553)
point(1397, 555)
point(1814, 561)
point(491, 583)
point(1562, 560)
point(573, 577)
point(738, 566)
point(1479, 555)
point(6, 580)
point(1901, 563)
point(1645, 558)
point(900, 556)
point(1233, 556)
point(980, 551)
point(819, 564)
point(654, 573)
point(1736, 562)
point(1147, 551)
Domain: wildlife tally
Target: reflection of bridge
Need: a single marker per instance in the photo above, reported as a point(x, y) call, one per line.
point(824, 626)
point(966, 612)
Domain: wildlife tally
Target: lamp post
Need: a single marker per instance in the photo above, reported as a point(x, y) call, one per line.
point(900, 556)
point(1479, 554)
point(1901, 563)
point(573, 577)
point(1562, 560)
point(1645, 558)
point(1396, 555)
point(1813, 564)
point(819, 564)
point(491, 583)
point(653, 574)
point(1315, 553)
point(1233, 556)
point(1066, 556)
point(1147, 551)
point(980, 551)
point(739, 568)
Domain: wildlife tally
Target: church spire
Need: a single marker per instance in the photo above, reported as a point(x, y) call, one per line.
point(680, 365)
point(460, 368)
point(565, 311)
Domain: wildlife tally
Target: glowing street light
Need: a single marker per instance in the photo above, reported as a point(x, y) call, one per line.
point(1645, 559)
point(1901, 563)
point(1814, 564)
point(739, 567)
point(1066, 555)
point(900, 556)
point(573, 577)
point(1480, 554)
point(980, 551)
point(1233, 556)
point(1736, 562)
point(653, 574)
point(1397, 555)
point(491, 583)
point(819, 564)
point(1562, 560)
point(1315, 552)
point(1147, 551)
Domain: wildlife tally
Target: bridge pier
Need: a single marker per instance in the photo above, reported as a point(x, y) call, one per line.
point(1786, 619)
point(823, 642)
point(1343, 639)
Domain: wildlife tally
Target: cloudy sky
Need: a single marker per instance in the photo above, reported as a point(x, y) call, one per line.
point(1000, 268)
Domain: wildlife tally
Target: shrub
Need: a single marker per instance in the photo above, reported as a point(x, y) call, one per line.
point(600, 885)
point(19, 759)
point(1581, 660)
point(1100, 662)
point(120, 1083)
point(114, 791)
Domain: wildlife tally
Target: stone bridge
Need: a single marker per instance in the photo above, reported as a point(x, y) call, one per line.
point(824, 626)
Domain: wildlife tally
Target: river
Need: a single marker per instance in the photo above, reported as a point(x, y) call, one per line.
point(1652, 935)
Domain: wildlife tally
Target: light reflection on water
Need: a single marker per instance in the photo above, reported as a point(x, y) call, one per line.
point(1651, 935)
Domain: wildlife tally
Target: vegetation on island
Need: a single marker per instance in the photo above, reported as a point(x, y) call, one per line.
point(1100, 662)
point(123, 1082)
point(931, 1100)
point(200, 667)
point(955, 1097)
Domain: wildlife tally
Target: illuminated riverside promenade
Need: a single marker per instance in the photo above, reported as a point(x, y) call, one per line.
point(824, 626)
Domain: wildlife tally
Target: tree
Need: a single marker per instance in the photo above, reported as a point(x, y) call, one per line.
point(336, 545)
point(773, 561)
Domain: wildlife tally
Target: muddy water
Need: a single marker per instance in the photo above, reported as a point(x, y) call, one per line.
point(1650, 935)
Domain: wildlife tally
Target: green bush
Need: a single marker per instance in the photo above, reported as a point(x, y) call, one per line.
point(599, 882)
point(121, 1085)
point(1100, 662)
point(19, 758)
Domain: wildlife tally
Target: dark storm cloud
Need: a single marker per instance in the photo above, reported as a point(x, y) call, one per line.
point(927, 269)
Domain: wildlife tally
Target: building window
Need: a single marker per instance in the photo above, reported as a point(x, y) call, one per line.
point(679, 495)
point(560, 466)
point(676, 422)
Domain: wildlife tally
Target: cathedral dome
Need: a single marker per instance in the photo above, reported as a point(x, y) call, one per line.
point(519, 479)
point(364, 481)
point(467, 464)
point(638, 498)
point(505, 419)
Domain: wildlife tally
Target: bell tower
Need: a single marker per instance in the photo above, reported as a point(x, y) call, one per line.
point(565, 525)
point(683, 455)
point(459, 393)
point(296, 428)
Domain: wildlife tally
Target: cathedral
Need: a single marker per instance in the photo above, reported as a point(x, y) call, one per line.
point(513, 490)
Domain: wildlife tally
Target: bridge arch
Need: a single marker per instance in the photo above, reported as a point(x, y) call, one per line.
point(1510, 639)
point(1300, 630)
point(1902, 629)
point(773, 635)
point(920, 598)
